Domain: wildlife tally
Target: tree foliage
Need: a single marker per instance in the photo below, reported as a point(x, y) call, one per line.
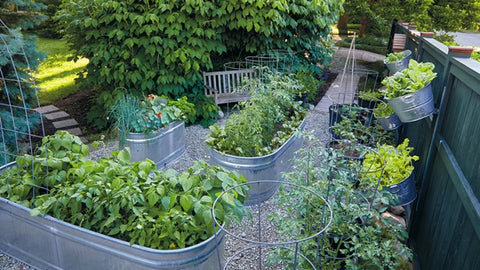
point(161, 46)
point(18, 58)
point(428, 15)
point(455, 15)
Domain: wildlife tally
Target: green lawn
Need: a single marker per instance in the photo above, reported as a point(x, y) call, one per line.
point(56, 75)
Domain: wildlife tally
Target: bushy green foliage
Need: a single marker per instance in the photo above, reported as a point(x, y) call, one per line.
point(310, 84)
point(132, 201)
point(476, 55)
point(17, 88)
point(265, 122)
point(160, 46)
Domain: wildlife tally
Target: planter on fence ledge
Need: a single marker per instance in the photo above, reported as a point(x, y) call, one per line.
point(48, 243)
point(414, 106)
point(161, 146)
point(269, 167)
point(390, 122)
point(405, 191)
point(400, 64)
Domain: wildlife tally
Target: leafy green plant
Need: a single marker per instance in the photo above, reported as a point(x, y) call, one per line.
point(129, 201)
point(383, 110)
point(130, 114)
point(394, 57)
point(409, 80)
point(187, 108)
point(398, 164)
point(264, 123)
point(370, 95)
point(310, 84)
point(476, 55)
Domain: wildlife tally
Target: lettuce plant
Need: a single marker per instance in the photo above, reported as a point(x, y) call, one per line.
point(398, 164)
point(409, 80)
point(394, 57)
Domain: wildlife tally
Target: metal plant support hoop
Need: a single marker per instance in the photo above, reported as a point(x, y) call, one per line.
point(264, 211)
point(235, 65)
point(287, 60)
point(357, 170)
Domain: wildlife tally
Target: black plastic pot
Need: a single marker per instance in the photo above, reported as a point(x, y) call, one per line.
point(302, 98)
point(367, 104)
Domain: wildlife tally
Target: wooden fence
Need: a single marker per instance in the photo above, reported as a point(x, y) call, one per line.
point(445, 224)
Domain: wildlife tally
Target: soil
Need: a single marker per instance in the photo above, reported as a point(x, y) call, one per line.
point(77, 106)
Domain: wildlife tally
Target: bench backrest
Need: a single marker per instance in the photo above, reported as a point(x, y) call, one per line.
point(225, 82)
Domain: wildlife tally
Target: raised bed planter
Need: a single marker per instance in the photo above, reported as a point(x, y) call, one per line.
point(48, 243)
point(269, 167)
point(162, 146)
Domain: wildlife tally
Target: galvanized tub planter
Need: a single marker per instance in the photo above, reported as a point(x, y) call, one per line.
point(414, 106)
point(401, 64)
point(49, 243)
point(405, 190)
point(161, 146)
point(264, 168)
point(390, 122)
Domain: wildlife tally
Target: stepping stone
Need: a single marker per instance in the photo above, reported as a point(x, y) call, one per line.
point(75, 131)
point(57, 115)
point(65, 123)
point(84, 140)
point(47, 109)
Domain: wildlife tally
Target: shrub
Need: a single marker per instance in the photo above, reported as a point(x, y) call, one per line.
point(160, 46)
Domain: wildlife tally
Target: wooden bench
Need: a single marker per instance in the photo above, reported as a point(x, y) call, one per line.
point(226, 86)
point(399, 41)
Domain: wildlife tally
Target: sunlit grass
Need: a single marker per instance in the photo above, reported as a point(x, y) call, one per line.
point(56, 75)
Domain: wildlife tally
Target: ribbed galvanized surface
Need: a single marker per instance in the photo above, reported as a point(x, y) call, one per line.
point(401, 64)
point(405, 190)
point(162, 146)
point(415, 106)
point(269, 167)
point(390, 122)
point(48, 243)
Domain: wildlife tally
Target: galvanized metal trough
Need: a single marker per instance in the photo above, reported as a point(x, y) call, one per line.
point(161, 146)
point(264, 168)
point(48, 243)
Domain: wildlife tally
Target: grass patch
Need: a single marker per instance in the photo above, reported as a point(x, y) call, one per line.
point(56, 75)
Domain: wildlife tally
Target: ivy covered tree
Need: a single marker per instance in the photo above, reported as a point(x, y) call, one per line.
point(161, 46)
point(18, 58)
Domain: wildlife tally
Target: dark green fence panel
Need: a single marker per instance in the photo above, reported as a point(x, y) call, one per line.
point(445, 231)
